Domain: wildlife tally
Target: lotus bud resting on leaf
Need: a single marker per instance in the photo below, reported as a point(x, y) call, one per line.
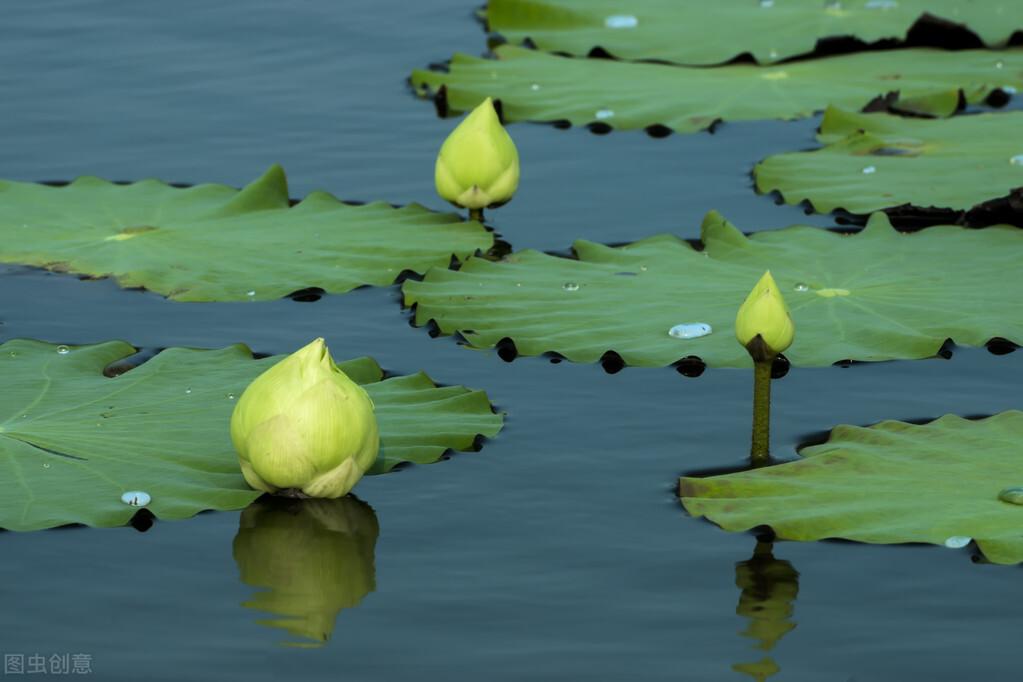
point(304, 427)
point(478, 165)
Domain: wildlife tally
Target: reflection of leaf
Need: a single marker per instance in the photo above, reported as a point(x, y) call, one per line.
point(72, 441)
point(216, 243)
point(693, 33)
point(535, 86)
point(875, 161)
point(876, 295)
point(889, 483)
point(312, 558)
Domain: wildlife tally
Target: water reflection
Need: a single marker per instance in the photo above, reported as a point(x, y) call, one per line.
point(312, 558)
point(769, 589)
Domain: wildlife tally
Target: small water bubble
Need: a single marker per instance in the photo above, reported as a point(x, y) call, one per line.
point(621, 21)
point(881, 4)
point(773, 54)
point(188, 391)
point(570, 286)
point(602, 114)
point(46, 465)
point(869, 170)
point(958, 541)
point(534, 87)
point(63, 350)
point(1012, 495)
point(800, 287)
point(766, 4)
point(13, 354)
point(136, 498)
point(1016, 160)
point(999, 64)
point(230, 396)
point(1008, 89)
point(250, 293)
point(689, 330)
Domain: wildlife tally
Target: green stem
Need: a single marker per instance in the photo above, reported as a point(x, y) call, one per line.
point(476, 214)
point(760, 450)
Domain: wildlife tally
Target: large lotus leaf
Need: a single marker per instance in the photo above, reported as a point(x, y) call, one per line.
point(875, 295)
point(701, 33)
point(875, 161)
point(536, 86)
point(216, 243)
point(72, 440)
point(892, 482)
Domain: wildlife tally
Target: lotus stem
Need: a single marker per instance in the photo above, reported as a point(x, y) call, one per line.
point(760, 450)
point(476, 214)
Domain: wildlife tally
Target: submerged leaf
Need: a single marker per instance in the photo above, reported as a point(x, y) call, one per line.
point(217, 243)
point(73, 441)
point(697, 33)
point(875, 295)
point(535, 86)
point(889, 483)
point(875, 161)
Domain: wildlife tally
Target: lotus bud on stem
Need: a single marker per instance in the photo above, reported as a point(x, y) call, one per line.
point(478, 164)
point(764, 328)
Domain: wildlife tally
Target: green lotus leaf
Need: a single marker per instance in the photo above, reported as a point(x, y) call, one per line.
point(893, 482)
point(217, 243)
point(695, 33)
point(536, 86)
point(875, 161)
point(73, 441)
point(875, 295)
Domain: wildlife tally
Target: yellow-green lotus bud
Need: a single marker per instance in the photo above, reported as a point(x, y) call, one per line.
point(478, 165)
point(309, 558)
point(303, 425)
point(764, 315)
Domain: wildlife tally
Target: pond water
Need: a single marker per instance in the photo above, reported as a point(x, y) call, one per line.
point(558, 552)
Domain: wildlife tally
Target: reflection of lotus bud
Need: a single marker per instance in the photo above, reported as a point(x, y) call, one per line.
point(478, 165)
point(769, 588)
point(765, 315)
point(312, 558)
point(304, 425)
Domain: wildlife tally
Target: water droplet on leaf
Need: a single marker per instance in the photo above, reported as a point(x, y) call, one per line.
point(570, 286)
point(1017, 160)
point(766, 4)
point(958, 541)
point(136, 498)
point(881, 4)
point(800, 287)
point(869, 170)
point(230, 396)
point(621, 21)
point(1012, 495)
point(63, 350)
point(689, 330)
point(604, 113)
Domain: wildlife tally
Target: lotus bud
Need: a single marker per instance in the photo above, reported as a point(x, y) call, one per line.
point(763, 324)
point(478, 165)
point(309, 559)
point(303, 427)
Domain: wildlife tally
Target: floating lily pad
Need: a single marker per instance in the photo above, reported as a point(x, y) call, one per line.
point(875, 161)
point(73, 441)
point(217, 243)
point(536, 86)
point(892, 482)
point(697, 33)
point(876, 295)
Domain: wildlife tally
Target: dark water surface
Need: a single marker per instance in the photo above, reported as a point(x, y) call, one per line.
point(559, 552)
